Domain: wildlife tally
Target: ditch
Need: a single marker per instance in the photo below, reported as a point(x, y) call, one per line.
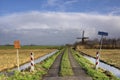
point(105, 66)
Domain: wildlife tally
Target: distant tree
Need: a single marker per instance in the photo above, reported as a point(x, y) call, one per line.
point(8, 44)
point(108, 43)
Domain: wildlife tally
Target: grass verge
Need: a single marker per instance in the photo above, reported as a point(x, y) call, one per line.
point(40, 70)
point(109, 56)
point(89, 67)
point(66, 69)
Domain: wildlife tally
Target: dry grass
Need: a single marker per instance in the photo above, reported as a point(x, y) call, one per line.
point(8, 56)
point(110, 56)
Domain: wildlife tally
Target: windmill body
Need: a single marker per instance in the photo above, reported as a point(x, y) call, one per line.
point(83, 38)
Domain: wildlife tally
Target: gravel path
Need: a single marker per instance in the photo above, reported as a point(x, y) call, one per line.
point(79, 73)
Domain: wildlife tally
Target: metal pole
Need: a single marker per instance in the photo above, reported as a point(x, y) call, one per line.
point(98, 53)
point(18, 60)
point(101, 41)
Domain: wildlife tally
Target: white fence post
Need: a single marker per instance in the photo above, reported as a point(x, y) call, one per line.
point(32, 62)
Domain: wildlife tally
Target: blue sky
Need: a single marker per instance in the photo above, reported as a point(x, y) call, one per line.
point(57, 22)
point(98, 6)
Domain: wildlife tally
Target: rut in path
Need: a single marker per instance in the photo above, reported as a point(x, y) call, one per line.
point(53, 73)
point(54, 69)
point(77, 69)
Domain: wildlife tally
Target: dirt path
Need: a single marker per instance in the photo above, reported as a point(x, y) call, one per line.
point(54, 70)
point(77, 69)
point(53, 73)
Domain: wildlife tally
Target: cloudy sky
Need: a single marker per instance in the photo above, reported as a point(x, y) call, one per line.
point(57, 22)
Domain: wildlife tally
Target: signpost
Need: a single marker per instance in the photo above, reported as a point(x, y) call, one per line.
point(17, 46)
point(101, 42)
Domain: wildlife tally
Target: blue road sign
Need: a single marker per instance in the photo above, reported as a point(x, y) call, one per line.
point(103, 33)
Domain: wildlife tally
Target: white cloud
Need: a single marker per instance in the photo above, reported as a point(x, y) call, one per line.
point(71, 1)
point(59, 5)
point(51, 2)
point(55, 27)
point(115, 11)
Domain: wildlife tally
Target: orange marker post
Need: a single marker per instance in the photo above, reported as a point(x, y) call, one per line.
point(17, 46)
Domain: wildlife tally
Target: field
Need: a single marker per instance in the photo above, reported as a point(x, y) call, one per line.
point(8, 55)
point(64, 63)
point(111, 56)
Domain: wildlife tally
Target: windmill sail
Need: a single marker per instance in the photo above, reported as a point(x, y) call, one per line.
point(83, 38)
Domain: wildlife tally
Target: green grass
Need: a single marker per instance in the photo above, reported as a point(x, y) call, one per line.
point(89, 68)
point(66, 69)
point(6, 47)
point(31, 47)
point(42, 47)
point(40, 70)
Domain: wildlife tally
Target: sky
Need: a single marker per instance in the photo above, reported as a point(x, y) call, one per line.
point(57, 22)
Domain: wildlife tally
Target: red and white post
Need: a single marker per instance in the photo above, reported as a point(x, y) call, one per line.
point(32, 62)
point(97, 61)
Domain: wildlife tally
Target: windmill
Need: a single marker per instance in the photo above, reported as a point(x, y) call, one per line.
point(83, 38)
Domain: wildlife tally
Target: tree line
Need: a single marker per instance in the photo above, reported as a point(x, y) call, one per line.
point(108, 43)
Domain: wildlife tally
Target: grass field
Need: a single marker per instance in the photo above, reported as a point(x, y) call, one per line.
point(42, 68)
point(111, 56)
point(8, 56)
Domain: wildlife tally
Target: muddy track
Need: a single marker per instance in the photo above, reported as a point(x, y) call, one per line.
point(53, 73)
